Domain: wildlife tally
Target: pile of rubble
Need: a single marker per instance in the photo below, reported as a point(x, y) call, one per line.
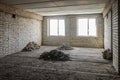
point(54, 55)
point(65, 47)
point(107, 54)
point(31, 46)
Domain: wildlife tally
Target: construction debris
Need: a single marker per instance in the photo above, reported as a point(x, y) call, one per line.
point(31, 46)
point(54, 55)
point(107, 54)
point(65, 47)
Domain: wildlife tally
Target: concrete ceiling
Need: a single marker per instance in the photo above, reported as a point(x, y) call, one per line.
point(59, 7)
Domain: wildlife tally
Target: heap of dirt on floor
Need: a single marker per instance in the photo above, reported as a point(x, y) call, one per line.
point(65, 47)
point(107, 54)
point(31, 46)
point(54, 55)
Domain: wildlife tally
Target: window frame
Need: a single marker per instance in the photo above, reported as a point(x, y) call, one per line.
point(87, 26)
point(48, 27)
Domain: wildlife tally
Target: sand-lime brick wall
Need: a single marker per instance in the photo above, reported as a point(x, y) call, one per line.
point(71, 32)
point(115, 35)
point(112, 32)
point(16, 32)
point(107, 31)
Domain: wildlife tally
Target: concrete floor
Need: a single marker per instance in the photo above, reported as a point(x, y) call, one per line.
point(86, 64)
point(77, 54)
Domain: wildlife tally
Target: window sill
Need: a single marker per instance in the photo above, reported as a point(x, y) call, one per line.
point(88, 36)
point(56, 36)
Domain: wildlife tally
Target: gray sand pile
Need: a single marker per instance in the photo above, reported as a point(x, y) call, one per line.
point(65, 47)
point(31, 46)
point(107, 54)
point(54, 55)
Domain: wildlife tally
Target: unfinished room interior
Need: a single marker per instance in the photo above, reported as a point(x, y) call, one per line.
point(59, 40)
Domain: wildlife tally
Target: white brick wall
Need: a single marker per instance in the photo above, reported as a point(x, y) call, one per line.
point(15, 33)
point(71, 37)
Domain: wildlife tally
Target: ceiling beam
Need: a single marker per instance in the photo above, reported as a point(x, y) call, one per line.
point(53, 6)
point(108, 7)
point(21, 2)
point(19, 12)
point(68, 8)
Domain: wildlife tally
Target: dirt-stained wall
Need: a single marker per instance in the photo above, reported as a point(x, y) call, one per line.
point(107, 31)
point(16, 32)
point(71, 32)
point(115, 36)
point(112, 33)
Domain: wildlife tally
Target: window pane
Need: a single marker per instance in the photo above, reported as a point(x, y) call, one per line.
point(82, 27)
point(92, 27)
point(61, 27)
point(53, 27)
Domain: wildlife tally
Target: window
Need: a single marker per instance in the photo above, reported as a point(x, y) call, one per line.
point(56, 27)
point(86, 27)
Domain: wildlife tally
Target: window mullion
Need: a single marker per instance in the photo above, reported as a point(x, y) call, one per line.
point(58, 27)
point(88, 27)
point(49, 26)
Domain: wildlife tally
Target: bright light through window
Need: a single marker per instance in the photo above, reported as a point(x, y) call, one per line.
point(61, 28)
point(92, 27)
point(56, 27)
point(53, 27)
point(86, 27)
point(82, 27)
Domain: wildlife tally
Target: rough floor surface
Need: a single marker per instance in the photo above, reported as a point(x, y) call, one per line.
point(23, 67)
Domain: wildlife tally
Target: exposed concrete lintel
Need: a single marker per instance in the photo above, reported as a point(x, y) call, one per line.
point(108, 7)
point(19, 12)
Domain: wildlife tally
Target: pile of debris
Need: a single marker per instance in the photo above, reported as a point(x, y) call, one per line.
point(54, 55)
point(65, 47)
point(31, 46)
point(107, 54)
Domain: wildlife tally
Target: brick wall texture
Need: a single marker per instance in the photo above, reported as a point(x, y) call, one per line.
point(71, 32)
point(16, 32)
point(107, 31)
point(115, 33)
point(112, 33)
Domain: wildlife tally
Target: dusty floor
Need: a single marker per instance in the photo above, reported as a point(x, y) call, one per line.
point(77, 54)
point(86, 64)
